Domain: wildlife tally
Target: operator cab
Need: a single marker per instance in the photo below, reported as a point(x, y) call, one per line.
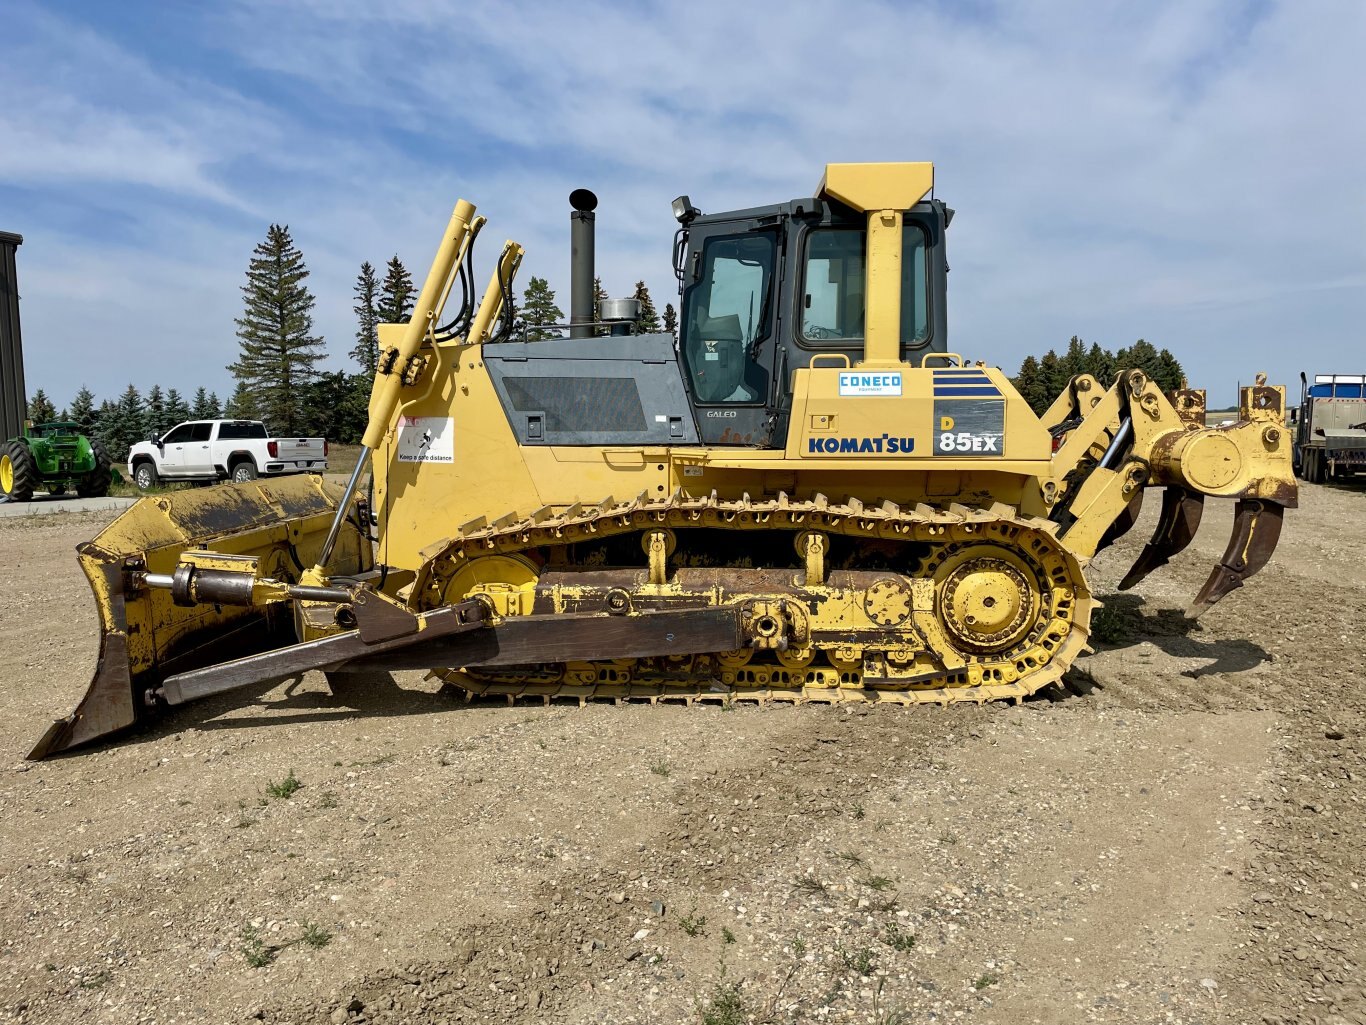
point(767, 290)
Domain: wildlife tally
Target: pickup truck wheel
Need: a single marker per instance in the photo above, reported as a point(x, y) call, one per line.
point(96, 483)
point(244, 472)
point(145, 476)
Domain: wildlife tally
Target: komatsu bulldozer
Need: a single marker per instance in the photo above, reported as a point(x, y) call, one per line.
point(806, 496)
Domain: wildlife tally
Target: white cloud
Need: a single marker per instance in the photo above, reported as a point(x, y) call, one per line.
point(1187, 172)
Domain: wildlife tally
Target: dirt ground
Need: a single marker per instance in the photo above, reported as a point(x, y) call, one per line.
point(1178, 837)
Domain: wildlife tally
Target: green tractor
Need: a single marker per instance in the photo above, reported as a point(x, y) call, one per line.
point(53, 457)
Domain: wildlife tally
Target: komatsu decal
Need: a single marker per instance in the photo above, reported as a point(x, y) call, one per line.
point(887, 382)
point(885, 444)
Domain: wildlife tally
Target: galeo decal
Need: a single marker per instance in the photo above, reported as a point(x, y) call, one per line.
point(860, 383)
point(886, 444)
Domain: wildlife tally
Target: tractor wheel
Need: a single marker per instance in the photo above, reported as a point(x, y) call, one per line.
point(243, 472)
point(18, 472)
point(145, 476)
point(95, 484)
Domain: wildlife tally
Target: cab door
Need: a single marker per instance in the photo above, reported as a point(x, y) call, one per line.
point(174, 445)
point(198, 453)
point(728, 332)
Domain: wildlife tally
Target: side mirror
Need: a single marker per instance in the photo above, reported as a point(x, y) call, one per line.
point(154, 439)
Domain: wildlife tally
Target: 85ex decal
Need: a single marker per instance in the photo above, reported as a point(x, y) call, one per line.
point(969, 427)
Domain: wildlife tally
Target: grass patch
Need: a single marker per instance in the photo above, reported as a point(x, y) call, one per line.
point(878, 883)
point(285, 788)
point(851, 857)
point(726, 935)
point(898, 939)
point(329, 799)
point(315, 935)
point(856, 810)
point(983, 981)
point(811, 885)
point(725, 1006)
point(661, 768)
point(257, 952)
point(692, 923)
point(860, 960)
point(1110, 625)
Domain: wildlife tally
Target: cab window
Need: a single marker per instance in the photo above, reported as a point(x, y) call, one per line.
point(726, 316)
point(833, 294)
point(178, 435)
point(200, 431)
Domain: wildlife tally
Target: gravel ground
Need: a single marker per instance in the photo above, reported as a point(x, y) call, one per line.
point(1174, 837)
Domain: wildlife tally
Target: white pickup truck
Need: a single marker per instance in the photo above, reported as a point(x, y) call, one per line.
point(212, 450)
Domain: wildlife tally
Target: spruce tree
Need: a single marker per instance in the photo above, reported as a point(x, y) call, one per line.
point(366, 351)
point(648, 323)
point(337, 406)
point(671, 320)
point(279, 349)
point(397, 294)
point(1140, 356)
point(241, 406)
point(1101, 364)
point(1051, 380)
point(154, 412)
point(82, 410)
point(177, 409)
point(1169, 376)
point(1073, 361)
point(120, 424)
point(40, 408)
point(599, 294)
point(538, 307)
point(1029, 384)
point(205, 406)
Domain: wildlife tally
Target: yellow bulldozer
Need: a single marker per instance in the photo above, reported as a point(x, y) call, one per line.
point(804, 496)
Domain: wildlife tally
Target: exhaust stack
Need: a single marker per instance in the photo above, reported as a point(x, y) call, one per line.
point(581, 259)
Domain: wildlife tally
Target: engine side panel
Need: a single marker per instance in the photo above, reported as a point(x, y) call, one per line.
point(593, 391)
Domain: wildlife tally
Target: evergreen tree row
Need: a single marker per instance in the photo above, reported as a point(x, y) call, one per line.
point(1041, 380)
point(130, 418)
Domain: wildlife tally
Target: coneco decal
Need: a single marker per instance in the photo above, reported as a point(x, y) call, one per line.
point(887, 382)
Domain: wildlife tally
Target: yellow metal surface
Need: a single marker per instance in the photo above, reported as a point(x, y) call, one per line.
point(6, 474)
point(883, 186)
point(884, 192)
point(384, 396)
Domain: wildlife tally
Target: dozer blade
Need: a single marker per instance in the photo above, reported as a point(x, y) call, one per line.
point(146, 637)
point(1256, 529)
point(1176, 527)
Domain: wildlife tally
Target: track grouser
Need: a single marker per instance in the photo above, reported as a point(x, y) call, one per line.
point(805, 496)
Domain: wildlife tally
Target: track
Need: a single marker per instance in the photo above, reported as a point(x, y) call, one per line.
point(875, 602)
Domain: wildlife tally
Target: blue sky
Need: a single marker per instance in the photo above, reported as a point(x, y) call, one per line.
point(1191, 172)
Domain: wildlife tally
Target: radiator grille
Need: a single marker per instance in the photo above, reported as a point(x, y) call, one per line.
point(573, 404)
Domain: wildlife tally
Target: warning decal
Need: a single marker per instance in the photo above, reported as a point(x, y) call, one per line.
point(426, 439)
